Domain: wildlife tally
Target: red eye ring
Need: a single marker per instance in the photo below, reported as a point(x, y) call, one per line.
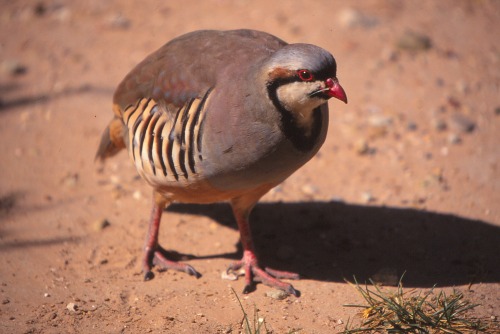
point(305, 75)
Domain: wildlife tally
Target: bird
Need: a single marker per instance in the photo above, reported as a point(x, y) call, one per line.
point(222, 116)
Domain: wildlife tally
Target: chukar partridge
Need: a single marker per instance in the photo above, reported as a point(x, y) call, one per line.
point(222, 116)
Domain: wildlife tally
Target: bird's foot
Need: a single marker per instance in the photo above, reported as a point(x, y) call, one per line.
point(156, 256)
point(267, 276)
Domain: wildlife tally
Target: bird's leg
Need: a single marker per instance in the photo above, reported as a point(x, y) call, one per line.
point(249, 262)
point(153, 252)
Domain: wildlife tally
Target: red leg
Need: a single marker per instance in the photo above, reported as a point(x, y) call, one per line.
point(249, 262)
point(153, 251)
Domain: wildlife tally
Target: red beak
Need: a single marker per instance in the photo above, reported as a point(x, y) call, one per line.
point(336, 89)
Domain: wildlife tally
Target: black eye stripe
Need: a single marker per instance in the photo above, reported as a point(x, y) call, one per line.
point(299, 139)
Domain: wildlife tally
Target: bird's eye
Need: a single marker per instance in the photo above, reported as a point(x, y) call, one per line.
point(305, 75)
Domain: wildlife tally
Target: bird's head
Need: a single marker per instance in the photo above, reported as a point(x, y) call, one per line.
point(301, 77)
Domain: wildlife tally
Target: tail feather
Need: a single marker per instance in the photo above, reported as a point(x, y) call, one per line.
point(112, 140)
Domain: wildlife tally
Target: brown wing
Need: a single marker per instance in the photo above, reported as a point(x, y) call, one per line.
point(183, 69)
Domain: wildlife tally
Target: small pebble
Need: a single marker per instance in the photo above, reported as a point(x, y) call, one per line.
point(70, 180)
point(117, 192)
point(389, 55)
point(367, 197)
point(101, 224)
point(350, 18)
point(419, 201)
point(337, 199)
point(375, 132)
point(361, 147)
point(453, 102)
point(411, 126)
point(453, 138)
point(115, 179)
point(497, 111)
point(137, 195)
point(40, 9)
point(119, 21)
point(439, 124)
point(462, 123)
point(437, 174)
point(13, 67)
point(63, 14)
point(379, 125)
point(380, 120)
point(277, 294)
point(413, 41)
point(46, 294)
point(444, 151)
point(5, 301)
point(229, 276)
point(309, 190)
point(462, 87)
point(72, 307)
point(440, 82)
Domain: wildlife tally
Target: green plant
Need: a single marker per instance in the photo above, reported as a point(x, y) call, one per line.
point(256, 324)
point(416, 312)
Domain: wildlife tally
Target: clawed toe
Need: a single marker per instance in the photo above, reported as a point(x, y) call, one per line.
point(148, 275)
point(165, 264)
point(269, 277)
point(292, 291)
point(191, 271)
point(248, 288)
point(157, 258)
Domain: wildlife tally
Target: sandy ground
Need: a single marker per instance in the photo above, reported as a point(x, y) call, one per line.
point(407, 181)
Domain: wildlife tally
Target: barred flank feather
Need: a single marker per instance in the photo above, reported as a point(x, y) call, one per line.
point(159, 144)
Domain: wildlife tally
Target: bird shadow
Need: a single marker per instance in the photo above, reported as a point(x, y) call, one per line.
point(334, 241)
point(27, 100)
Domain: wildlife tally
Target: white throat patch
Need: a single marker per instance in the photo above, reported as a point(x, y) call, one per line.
point(295, 98)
